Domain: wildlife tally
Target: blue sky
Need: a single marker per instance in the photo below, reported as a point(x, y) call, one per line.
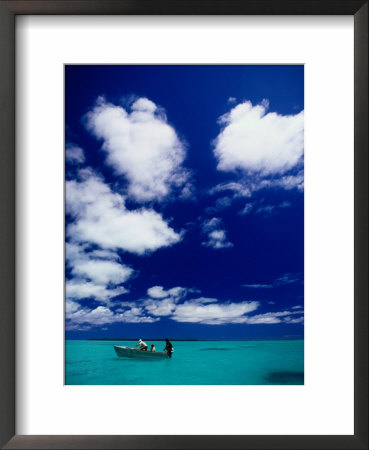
point(184, 201)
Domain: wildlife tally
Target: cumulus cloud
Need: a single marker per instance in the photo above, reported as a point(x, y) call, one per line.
point(163, 307)
point(103, 315)
point(275, 317)
point(78, 289)
point(103, 271)
point(265, 149)
point(100, 217)
point(171, 304)
point(287, 182)
point(216, 236)
point(95, 274)
point(205, 310)
point(212, 313)
point(258, 142)
point(71, 307)
point(163, 302)
point(97, 266)
point(217, 239)
point(209, 311)
point(159, 292)
point(141, 146)
point(74, 154)
point(99, 226)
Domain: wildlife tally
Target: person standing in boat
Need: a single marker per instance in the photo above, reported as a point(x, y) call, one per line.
point(142, 345)
point(153, 349)
point(168, 347)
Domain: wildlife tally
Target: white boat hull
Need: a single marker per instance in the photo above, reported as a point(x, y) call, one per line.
point(128, 352)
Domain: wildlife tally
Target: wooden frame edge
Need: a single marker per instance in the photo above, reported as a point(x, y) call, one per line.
point(8, 10)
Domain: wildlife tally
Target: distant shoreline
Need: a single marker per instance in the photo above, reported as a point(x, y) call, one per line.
point(186, 340)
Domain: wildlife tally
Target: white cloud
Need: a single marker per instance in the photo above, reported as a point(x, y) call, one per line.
point(258, 286)
point(205, 310)
point(213, 313)
point(246, 209)
point(163, 302)
point(200, 310)
point(209, 311)
point(287, 182)
point(96, 274)
point(69, 326)
point(268, 318)
point(285, 279)
point(141, 146)
point(220, 204)
point(238, 189)
point(100, 217)
point(294, 320)
point(265, 103)
point(71, 307)
point(223, 202)
point(74, 154)
point(217, 237)
point(102, 315)
point(159, 292)
point(102, 271)
point(272, 318)
point(99, 266)
point(78, 289)
point(258, 142)
point(211, 224)
point(135, 315)
point(203, 300)
point(163, 307)
point(246, 186)
point(267, 210)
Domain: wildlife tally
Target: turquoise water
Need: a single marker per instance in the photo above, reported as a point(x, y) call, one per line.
point(193, 363)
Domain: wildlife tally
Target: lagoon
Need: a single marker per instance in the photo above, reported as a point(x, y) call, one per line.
point(278, 362)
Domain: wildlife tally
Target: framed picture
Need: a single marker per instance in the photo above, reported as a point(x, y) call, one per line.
point(197, 208)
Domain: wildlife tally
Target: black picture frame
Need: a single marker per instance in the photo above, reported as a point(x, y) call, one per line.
point(8, 11)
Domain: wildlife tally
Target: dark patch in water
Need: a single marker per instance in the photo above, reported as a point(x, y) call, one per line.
point(216, 348)
point(285, 377)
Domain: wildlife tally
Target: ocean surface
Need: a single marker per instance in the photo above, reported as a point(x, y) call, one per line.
point(192, 363)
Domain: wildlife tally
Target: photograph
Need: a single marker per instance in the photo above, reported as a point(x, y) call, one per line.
point(184, 224)
point(167, 242)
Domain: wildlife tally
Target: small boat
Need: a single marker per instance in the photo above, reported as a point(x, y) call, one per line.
point(128, 352)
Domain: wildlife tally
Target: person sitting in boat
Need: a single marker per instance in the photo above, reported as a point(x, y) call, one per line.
point(168, 347)
point(142, 345)
point(153, 349)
